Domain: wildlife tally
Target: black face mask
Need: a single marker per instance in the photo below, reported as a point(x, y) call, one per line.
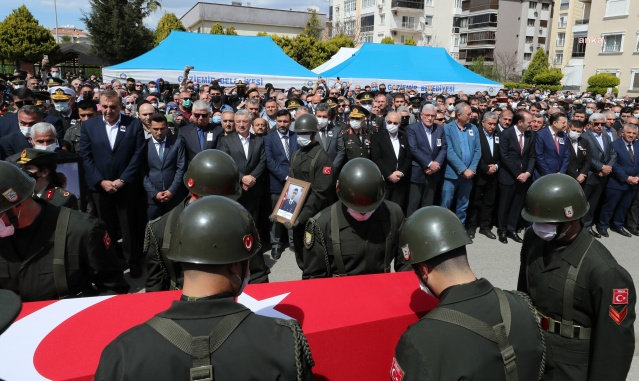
point(131, 87)
point(241, 92)
point(87, 95)
point(382, 90)
point(216, 98)
point(405, 120)
point(474, 121)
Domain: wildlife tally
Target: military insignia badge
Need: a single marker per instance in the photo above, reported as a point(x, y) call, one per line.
point(396, 372)
point(49, 194)
point(107, 240)
point(308, 239)
point(618, 316)
point(326, 170)
point(406, 252)
point(190, 183)
point(23, 154)
point(568, 212)
point(11, 195)
point(66, 194)
point(620, 296)
point(248, 242)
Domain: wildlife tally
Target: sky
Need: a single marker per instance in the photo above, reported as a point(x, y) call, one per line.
point(70, 11)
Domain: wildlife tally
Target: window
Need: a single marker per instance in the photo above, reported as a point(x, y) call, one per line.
point(463, 23)
point(349, 6)
point(529, 39)
point(527, 56)
point(532, 5)
point(563, 20)
point(349, 28)
point(612, 43)
point(611, 71)
point(368, 3)
point(463, 38)
point(367, 23)
point(428, 40)
point(559, 58)
point(458, 3)
point(634, 79)
point(545, 7)
point(408, 22)
point(402, 38)
point(578, 48)
point(616, 8)
point(382, 19)
point(531, 22)
point(543, 23)
point(561, 39)
point(428, 3)
point(455, 41)
point(428, 20)
point(637, 47)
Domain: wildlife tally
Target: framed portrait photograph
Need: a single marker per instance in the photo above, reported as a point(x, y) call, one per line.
point(71, 168)
point(291, 200)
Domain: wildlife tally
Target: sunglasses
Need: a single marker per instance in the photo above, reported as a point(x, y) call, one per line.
point(392, 124)
point(599, 124)
point(200, 115)
point(440, 119)
point(24, 103)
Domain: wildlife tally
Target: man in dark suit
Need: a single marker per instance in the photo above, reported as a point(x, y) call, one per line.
point(389, 150)
point(165, 164)
point(24, 97)
point(622, 185)
point(602, 159)
point(632, 220)
point(111, 146)
point(427, 145)
point(329, 136)
point(15, 142)
point(552, 147)
point(580, 152)
point(611, 119)
point(201, 134)
point(247, 150)
point(517, 159)
point(290, 204)
point(482, 205)
point(280, 145)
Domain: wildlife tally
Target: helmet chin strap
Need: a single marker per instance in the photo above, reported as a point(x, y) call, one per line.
point(13, 219)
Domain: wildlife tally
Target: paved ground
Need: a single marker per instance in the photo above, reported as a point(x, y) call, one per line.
point(492, 260)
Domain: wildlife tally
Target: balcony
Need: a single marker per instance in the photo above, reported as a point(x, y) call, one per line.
point(482, 5)
point(406, 27)
point(581, 26)
point(562, 24)
point(367, 28)
point(407, 5)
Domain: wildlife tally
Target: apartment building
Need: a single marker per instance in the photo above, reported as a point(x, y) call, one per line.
point(567, 43)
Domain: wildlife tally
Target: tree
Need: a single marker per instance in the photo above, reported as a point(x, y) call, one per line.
point(117, 30)
point(167, 23)
point(230, 31)
point(262, 34)
point(313, 28)
point(507, 64)
point(22, 38)
point(310, 52)
point(410, 41)
point(66, 39)
point(479, 66)
point(217, 29)
point(549, 77)
point(599, 83)
point(538, 64)
point(388, 40)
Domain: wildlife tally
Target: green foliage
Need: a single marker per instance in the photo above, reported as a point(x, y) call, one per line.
point(22, 38)
point(599, 83)
point(167, 23)
point(410, 41)
point(517, 85)
point(313, 28)
point(512, 85)
point(549, 77)
point(230, 31)
point(488, 71)
point(538, 65)
point(262, 34)
point(117, 29)
point(310, 52)
point(217, 29)
point(388, 40)
point(66, 39)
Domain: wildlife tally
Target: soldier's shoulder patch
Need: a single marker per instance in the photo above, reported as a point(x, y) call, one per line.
point(618, 316)
point(396, 372)
point(107, 240)
point(326, 170)
point(49, 195)
point(309, 231)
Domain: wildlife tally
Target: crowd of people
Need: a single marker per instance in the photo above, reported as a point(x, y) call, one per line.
point(375, 157)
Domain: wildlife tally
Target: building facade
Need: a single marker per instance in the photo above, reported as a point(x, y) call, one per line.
point(567, 47)
point(70, 34)
point(247, 20)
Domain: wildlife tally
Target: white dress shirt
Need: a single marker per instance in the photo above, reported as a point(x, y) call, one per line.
point(395, 142)
point(245, 144)
point(112, 130)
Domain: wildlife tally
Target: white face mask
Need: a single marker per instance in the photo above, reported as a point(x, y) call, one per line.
point(50, 148)
point(55, 75)
point(589, 111)
point(635, 115)
point(574, 135)
point(547, 232)
point(359, 216)
point(542, 112)
point(450, 107)
point(322, 122)
point(304, 140)
point(6, 231)
point(502, 105)
point(425, 288)
point(392, 128)
point(153, 90)
point(346, 109)
point(368, 107)
point(61, 106)
point(25, 130)
point(356, 124)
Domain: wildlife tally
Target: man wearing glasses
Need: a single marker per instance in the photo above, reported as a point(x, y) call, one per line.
point(201, 134)
point(24, 97)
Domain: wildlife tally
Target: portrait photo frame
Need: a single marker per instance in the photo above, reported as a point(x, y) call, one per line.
point(291, 200)
point(73, 170)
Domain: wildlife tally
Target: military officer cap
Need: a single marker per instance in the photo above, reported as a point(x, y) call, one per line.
point(41, 97)
point(54, 82)
point(416, 101)
point(11, 306)
point(361, 185)
point(15, 186)
point(365, 97)
point(358, 112)
point(38, 157)
point(213, 172)
point(292, 103)
point(214, 230)
point(555, 198)
point(430, 232)
point(239, 83)
point(331, 101)
point(61, 94)
point(18, 82)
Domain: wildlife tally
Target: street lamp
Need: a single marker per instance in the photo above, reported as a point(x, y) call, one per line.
point(55, 9)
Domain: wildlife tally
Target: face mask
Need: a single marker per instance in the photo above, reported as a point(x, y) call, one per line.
point(234, 93)
point(501, 105)
point(374, 89)
point(425, 288)
point(25, 130)
point(405, 120)
point(356, 124)
point(359, 216)
point(196, 88)
point(217, 119)
point(617, 115)
point(155, 105)
point(448, 117)
point(474, 121)
point(303, 140)
point(392, 128)
point(50, 148)
point(55, 75)
point(322, 122)
point(429, 93)
point(382, 91)
point(131, 87)
point(187, 103)
point(574, 135)
point(6, 231)
point(368, 107)
point(450, 107)
point(635, 115)
point(542, 112)
point(589, 111)
point(545, 231)
point(61, 106)
point(347, 110)
point(216, 98)
point(293, 113)
point(527, 107)
point(153, 90)
point(129, 107)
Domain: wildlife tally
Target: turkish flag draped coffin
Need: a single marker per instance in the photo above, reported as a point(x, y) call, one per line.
point(352, 325)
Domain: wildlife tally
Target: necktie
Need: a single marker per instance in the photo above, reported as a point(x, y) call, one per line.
point(161, 151)
point(631, 152)
point(521, 142)
point(323, 138)
point(557, 142)
point(359, 138)
point(286, 147)
point(200, 133)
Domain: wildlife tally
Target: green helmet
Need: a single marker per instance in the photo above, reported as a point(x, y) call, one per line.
point(214, 230)
point(306, 123)
point(555, 198)
point(15, 186)
point(361, 185)
point(429, 232)
point(213, 173)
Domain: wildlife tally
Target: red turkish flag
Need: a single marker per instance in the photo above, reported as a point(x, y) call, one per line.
point(620, 296)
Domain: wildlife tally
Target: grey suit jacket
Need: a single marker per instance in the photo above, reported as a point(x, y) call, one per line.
point(599, 157)
point(333, 145)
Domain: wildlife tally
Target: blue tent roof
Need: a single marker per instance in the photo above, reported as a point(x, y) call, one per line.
point(412, 64)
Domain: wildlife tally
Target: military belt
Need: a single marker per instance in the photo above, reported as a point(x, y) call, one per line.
point(551, 325)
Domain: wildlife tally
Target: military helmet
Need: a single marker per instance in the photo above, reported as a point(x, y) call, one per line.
point(361, 185)
point(213, 172)
point(306, 123)
point(15, 186)
point(214, 230)
point(429, 232)
point(555, 198)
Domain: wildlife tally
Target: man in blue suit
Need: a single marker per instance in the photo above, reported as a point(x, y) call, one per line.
point(165, 164)
point(111, 146)
point(462, 158)
point(428, 146)
point(9, 122)
point(280, 146)
point(622, 185)
point(552, 147)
